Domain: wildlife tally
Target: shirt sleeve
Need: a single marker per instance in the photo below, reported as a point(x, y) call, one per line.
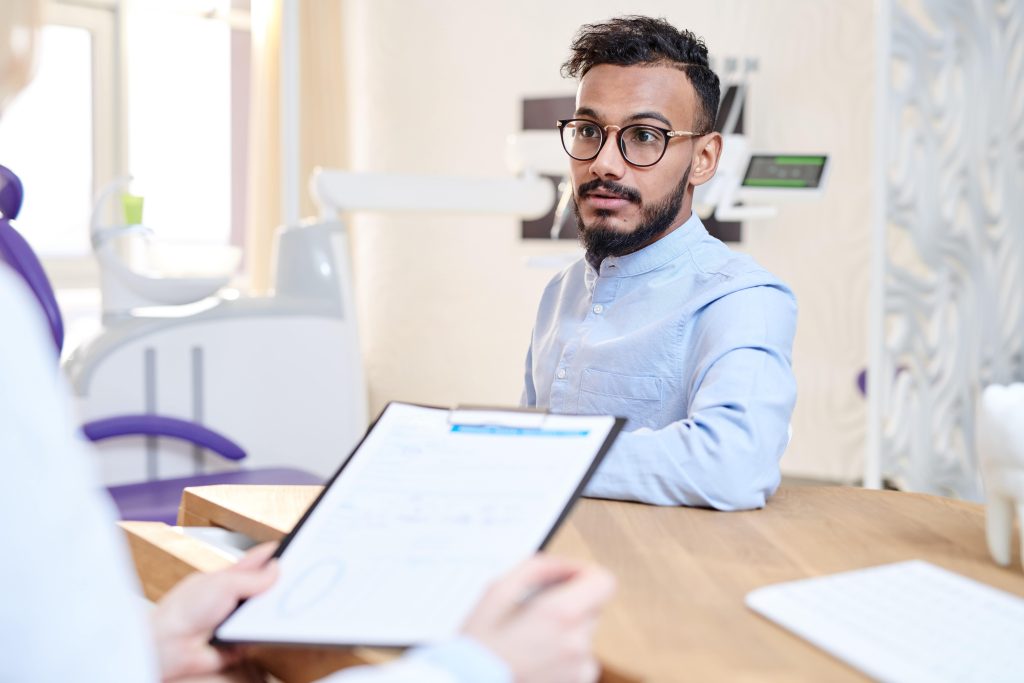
point(68, 612)
point(725, 453)
point(461, 660)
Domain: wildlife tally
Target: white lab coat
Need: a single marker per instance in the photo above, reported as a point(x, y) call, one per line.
point(69, 601)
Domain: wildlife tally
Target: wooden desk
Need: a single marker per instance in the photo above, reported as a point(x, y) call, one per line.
point(683, 573)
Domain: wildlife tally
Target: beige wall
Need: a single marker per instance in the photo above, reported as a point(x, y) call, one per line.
point(446, 304)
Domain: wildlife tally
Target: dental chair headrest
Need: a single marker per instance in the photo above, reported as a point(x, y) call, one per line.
point(11, 193)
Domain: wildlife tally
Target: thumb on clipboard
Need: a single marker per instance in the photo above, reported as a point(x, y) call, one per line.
point(546, 635)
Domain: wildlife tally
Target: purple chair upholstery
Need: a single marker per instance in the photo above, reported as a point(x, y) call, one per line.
point(17, 253)
point(151, 500)
point(11, 193)
point(157, 425)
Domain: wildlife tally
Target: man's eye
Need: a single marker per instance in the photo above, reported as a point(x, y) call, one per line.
point(588, 131)
point(645, 136)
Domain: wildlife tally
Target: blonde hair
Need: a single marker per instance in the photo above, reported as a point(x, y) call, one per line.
point(19, 27)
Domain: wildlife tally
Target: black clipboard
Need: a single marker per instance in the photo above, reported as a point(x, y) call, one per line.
point(460, 416)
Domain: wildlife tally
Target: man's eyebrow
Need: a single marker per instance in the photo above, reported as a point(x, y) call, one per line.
point(650, 115)
point(590, 113)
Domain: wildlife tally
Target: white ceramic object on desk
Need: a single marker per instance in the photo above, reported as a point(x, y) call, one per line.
point(1000, 441)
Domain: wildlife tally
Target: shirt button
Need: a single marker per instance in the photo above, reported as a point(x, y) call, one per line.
point(561, 373)
point(599, 309)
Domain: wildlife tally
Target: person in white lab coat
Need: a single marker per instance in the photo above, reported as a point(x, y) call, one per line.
point(69, 602)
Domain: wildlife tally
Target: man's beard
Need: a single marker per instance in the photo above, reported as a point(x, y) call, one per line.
point(600, 240)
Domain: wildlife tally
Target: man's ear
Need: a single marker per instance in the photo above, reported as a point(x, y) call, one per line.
point(708, 152)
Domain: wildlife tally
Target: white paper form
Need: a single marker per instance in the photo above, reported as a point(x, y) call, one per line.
point(425, 514)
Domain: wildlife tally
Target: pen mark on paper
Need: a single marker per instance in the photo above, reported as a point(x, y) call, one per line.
point(311, 586)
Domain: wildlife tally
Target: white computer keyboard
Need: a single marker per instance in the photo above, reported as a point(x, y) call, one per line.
point(909, 621)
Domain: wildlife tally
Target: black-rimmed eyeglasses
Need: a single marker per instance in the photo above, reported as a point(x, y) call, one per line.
point(641, 144)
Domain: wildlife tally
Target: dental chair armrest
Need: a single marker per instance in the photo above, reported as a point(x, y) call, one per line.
point(155, 425)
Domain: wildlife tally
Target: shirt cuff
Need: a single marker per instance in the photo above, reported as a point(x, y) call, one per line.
point(467, 660)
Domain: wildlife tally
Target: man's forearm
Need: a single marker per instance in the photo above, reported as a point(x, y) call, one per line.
point(725, 455)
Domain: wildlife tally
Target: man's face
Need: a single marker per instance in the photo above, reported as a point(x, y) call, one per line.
point(620, 207)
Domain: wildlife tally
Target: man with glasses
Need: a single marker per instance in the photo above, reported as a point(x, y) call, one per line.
point(660, 322)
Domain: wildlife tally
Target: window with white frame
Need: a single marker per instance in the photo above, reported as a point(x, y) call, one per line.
point(155, 89)
point(180, 120)
point(58, 135)
point(46, 138)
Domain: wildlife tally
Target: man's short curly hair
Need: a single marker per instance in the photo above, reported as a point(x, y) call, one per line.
point(632, 40)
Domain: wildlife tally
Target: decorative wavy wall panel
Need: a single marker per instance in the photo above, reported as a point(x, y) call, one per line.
point(953, 233)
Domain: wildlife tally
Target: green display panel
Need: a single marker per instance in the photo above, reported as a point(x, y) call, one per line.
point(785, 172)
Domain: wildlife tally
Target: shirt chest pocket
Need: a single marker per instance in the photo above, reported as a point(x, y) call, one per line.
point(639, 399)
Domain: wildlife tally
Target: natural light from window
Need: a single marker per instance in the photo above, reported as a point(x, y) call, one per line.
point(180, 123)
point(46, 139)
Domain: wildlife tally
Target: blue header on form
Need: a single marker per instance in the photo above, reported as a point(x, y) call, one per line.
point(518, 431)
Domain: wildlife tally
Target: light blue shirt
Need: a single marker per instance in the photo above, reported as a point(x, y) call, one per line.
point(691, 343)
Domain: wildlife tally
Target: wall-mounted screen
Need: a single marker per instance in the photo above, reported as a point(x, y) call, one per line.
point(779, 171)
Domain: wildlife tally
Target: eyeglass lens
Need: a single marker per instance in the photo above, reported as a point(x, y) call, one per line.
point(641, 145)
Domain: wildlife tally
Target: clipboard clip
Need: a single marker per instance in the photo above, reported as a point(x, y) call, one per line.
point(485, 416)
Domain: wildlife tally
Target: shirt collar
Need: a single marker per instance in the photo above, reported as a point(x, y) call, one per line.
point(653, 256)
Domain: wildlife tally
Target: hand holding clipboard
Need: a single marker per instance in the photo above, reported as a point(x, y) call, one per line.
point(430, 509)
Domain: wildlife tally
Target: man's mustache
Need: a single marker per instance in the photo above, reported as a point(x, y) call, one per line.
point(610, 188)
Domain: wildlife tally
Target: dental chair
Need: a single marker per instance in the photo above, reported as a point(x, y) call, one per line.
point(281, 372)
point(155, 500)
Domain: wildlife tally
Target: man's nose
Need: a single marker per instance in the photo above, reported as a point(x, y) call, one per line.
point(609, 162)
